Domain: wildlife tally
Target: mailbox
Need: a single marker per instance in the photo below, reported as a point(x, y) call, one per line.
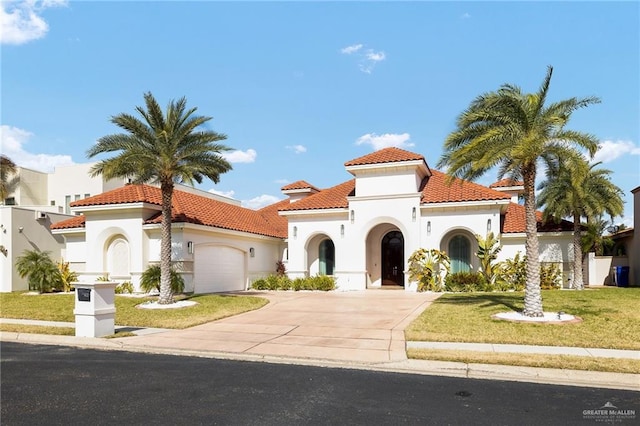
point(84, 294)
point(95, 308)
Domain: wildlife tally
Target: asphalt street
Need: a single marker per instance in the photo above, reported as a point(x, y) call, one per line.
point(60, 385)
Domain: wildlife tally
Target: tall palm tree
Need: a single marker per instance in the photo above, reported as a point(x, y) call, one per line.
point(7, 169)
point(165, 149)
point(515, 131)
point(575, 188)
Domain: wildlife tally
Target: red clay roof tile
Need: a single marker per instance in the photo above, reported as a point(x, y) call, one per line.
point(74, 222)
point(386, 155)
point(193, 208)
point(437, 190)
point(332, 198)
point(301, 184)
point(514, 221)
point(506, 182)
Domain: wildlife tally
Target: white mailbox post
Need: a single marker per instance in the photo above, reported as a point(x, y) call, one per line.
point(95, 309)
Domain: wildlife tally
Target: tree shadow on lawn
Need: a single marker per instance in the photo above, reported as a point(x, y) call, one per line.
point(484, 301)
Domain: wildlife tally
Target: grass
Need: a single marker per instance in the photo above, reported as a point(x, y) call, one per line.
point(611, 319)
point(38, 329)
point(530, 360)
point(59, 307)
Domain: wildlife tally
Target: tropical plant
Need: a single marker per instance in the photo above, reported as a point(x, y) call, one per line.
point(40, 270)
point(429, 268)
point(594, 239)
point(488, 250)
point(467, 282)
point(7, 169)
point(150, 280)
point(513, 273)
point(550, 276)
point(514, 131)
point(67, 276)
point(125, 287)
point(579, 190)
point(166, 149)
point(281, 269)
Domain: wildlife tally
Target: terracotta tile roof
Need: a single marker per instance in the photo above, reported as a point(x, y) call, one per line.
point(125, 195)
point(74, 222)
point(279, 223)
point(386, 155)
point(193, 208)
point(436, 190)
point(301, 184)
point(332, 198)
point(513, 221)
point(503, 183)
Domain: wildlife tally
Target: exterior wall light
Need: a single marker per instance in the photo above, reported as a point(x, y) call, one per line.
point(429, 228)
point(488, 225)
point(342, 230)
point(190, 247)
point(353, 216)
point(252, 252)
point(295, 232)
point(413, 214)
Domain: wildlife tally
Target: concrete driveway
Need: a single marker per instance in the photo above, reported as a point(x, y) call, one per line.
point(364, 326)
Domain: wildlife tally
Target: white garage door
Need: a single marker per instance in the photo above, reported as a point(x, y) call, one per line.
point(218, 269)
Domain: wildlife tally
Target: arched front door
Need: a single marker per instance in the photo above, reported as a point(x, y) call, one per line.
point(393, 259)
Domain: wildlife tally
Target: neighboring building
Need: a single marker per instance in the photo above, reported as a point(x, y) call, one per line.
point(361, 231)
point(634, 253)
point(36, 201)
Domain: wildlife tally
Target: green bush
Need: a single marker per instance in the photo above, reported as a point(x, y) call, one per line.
point(283, 282)
point(125, 287)
point(41, 271)
point(466, 282)
point(550, 276)
point(150, 280)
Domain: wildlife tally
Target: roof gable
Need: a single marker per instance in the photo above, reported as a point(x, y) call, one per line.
point(331, 198)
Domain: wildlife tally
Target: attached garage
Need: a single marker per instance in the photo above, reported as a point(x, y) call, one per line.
point(218, 268)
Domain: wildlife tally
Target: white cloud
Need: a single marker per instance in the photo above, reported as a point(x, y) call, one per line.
point(351, 49)
point(298, 149)
point(465, 16)
point(21, 21)
point(386, 140)
point(260, 201)
point(368, 58)
point(12, 140)
point(248, 156)
point(282, 181)
point(610, 150)
point(228, 194)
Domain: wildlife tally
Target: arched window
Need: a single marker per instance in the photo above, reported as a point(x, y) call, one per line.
point(118, 258)
point(460, 254)
point(327, 257)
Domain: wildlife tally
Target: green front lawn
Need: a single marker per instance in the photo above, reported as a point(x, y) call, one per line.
point(59, 307)
point(611, 319)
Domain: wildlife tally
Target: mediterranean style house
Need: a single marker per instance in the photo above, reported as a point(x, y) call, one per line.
point(361, 231)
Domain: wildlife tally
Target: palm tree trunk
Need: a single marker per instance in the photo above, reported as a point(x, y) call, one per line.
point(166, 295)
point(532, 294)
point(578, 283)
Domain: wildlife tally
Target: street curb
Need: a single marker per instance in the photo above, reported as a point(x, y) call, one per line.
point(597, 379)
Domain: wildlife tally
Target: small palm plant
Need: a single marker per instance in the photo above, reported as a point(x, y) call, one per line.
point(41, 272)
point(488, 250)
point(150, 280)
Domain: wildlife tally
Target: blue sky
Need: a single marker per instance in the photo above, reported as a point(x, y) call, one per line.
point(300, 88)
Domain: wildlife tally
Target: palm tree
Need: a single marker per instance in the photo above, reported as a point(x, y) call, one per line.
point(164, 149)
point(41, 272)
point(515, 131)
point(575, 188)
point(7, 169)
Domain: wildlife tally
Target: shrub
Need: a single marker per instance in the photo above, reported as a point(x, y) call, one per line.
point(467, 282)
point(150, 280)
point(283, 282)
point(67, 276)
point(280, 268)
point(42, 273)
point(550, 276)
point(125, 287)
point(427, 267)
